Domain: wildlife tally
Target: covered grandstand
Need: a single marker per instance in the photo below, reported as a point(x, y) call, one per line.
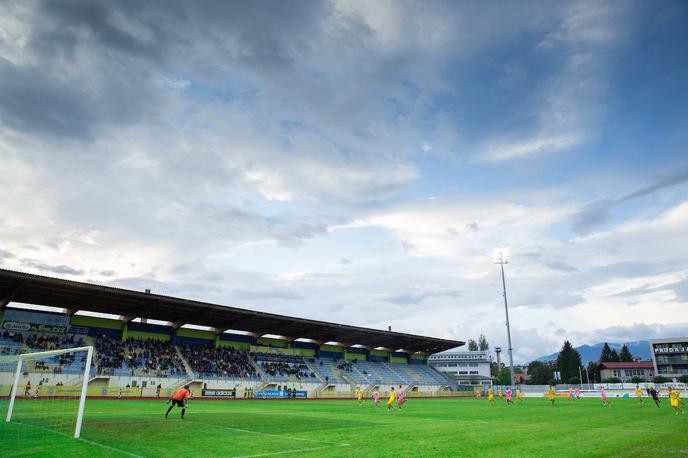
point(217, 348)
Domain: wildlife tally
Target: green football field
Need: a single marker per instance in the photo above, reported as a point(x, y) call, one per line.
point(426, 427)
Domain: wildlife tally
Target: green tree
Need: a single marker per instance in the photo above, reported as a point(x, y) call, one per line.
point(683, 379)
point(540, 373)
point(472, 345)
point(483, 345)
point(615, 357)
point(611, 380)
point(625, 356)
point(660, 379)
point(504, 377)
point(637, 379)
point(568, 362)
point(606, 355)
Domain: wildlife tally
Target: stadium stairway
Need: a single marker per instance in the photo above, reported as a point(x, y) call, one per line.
point(358, 376)
point(349, 380)
point(430, 375)
point(186, 364)
point(417, 379)
point(329, 369)
point(312, 369)
point(263, 375)
point(380, 374)
point(404, 379)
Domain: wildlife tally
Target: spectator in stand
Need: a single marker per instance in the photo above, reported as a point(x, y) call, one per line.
point(150, 357)
point(223, 362)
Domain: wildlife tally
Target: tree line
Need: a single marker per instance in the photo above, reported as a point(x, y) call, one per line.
point(570, 367)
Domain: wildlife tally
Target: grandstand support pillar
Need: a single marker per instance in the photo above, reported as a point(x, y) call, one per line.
point(125, 331)
point(389, 357)
point(217, 340)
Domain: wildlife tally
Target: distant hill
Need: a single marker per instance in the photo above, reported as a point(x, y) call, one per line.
point(639, 349)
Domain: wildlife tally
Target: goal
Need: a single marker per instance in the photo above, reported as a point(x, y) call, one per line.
point(47, 391)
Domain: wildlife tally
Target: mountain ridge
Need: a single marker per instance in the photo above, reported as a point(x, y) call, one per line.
point(638, 348)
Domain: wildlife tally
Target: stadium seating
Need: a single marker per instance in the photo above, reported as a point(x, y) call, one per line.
point(284, 368)
point(328, 370)
point(425, 373)
point(26, 342)
point(379, 373)
point(43, 342)
point(218, 363)
point(138, 357)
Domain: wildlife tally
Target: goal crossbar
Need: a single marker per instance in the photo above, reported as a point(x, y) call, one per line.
point(47, 354)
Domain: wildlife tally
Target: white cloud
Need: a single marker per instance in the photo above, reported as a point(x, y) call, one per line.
point(281, 159)
point(531, 147)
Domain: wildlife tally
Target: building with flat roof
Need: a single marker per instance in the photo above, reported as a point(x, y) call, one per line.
point(626, 371)
point(670, 356)
point(466, 367)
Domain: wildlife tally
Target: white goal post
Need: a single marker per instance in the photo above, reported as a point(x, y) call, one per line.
point(20, 359)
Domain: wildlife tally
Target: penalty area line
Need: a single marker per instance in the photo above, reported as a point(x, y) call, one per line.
point(281, 436)
point(86, 441)
point(284, 452)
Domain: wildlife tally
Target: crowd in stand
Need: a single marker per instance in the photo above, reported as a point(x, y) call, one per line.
point(285, 365)
point(54, 342)
point(346, 366)
point(225, 362)
point(16, 337)
point(44, 341)
point(109, 352)
point(154, 357)
point(8, 343)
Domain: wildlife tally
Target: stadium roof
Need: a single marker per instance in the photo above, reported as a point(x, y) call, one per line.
point(74, 296)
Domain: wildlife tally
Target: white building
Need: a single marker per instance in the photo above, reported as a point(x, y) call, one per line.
point(467, 367)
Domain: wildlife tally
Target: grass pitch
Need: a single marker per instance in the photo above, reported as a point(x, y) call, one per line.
point(426, 427)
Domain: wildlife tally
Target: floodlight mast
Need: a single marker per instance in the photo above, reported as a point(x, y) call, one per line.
point(501, 258)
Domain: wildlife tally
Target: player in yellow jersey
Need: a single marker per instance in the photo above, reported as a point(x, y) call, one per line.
point(391, 398)
point(490, 396)
point(675, 400)
point(639, 394)
point(499, 393)
point(551, 394)
point(518, 394)
point(359, 395)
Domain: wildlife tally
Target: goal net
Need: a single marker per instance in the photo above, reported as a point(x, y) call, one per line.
point(44, 391)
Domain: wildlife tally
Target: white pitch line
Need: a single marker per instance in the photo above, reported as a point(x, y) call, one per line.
point(281, 436)
point(86, 441)
point(114, 449)
point(301, 450)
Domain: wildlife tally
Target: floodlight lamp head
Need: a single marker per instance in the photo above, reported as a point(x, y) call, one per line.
point(501, 256)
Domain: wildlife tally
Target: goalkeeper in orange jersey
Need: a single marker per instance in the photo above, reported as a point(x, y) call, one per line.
point(180, 398)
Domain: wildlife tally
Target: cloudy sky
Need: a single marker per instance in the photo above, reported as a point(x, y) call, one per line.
point(358, 161)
